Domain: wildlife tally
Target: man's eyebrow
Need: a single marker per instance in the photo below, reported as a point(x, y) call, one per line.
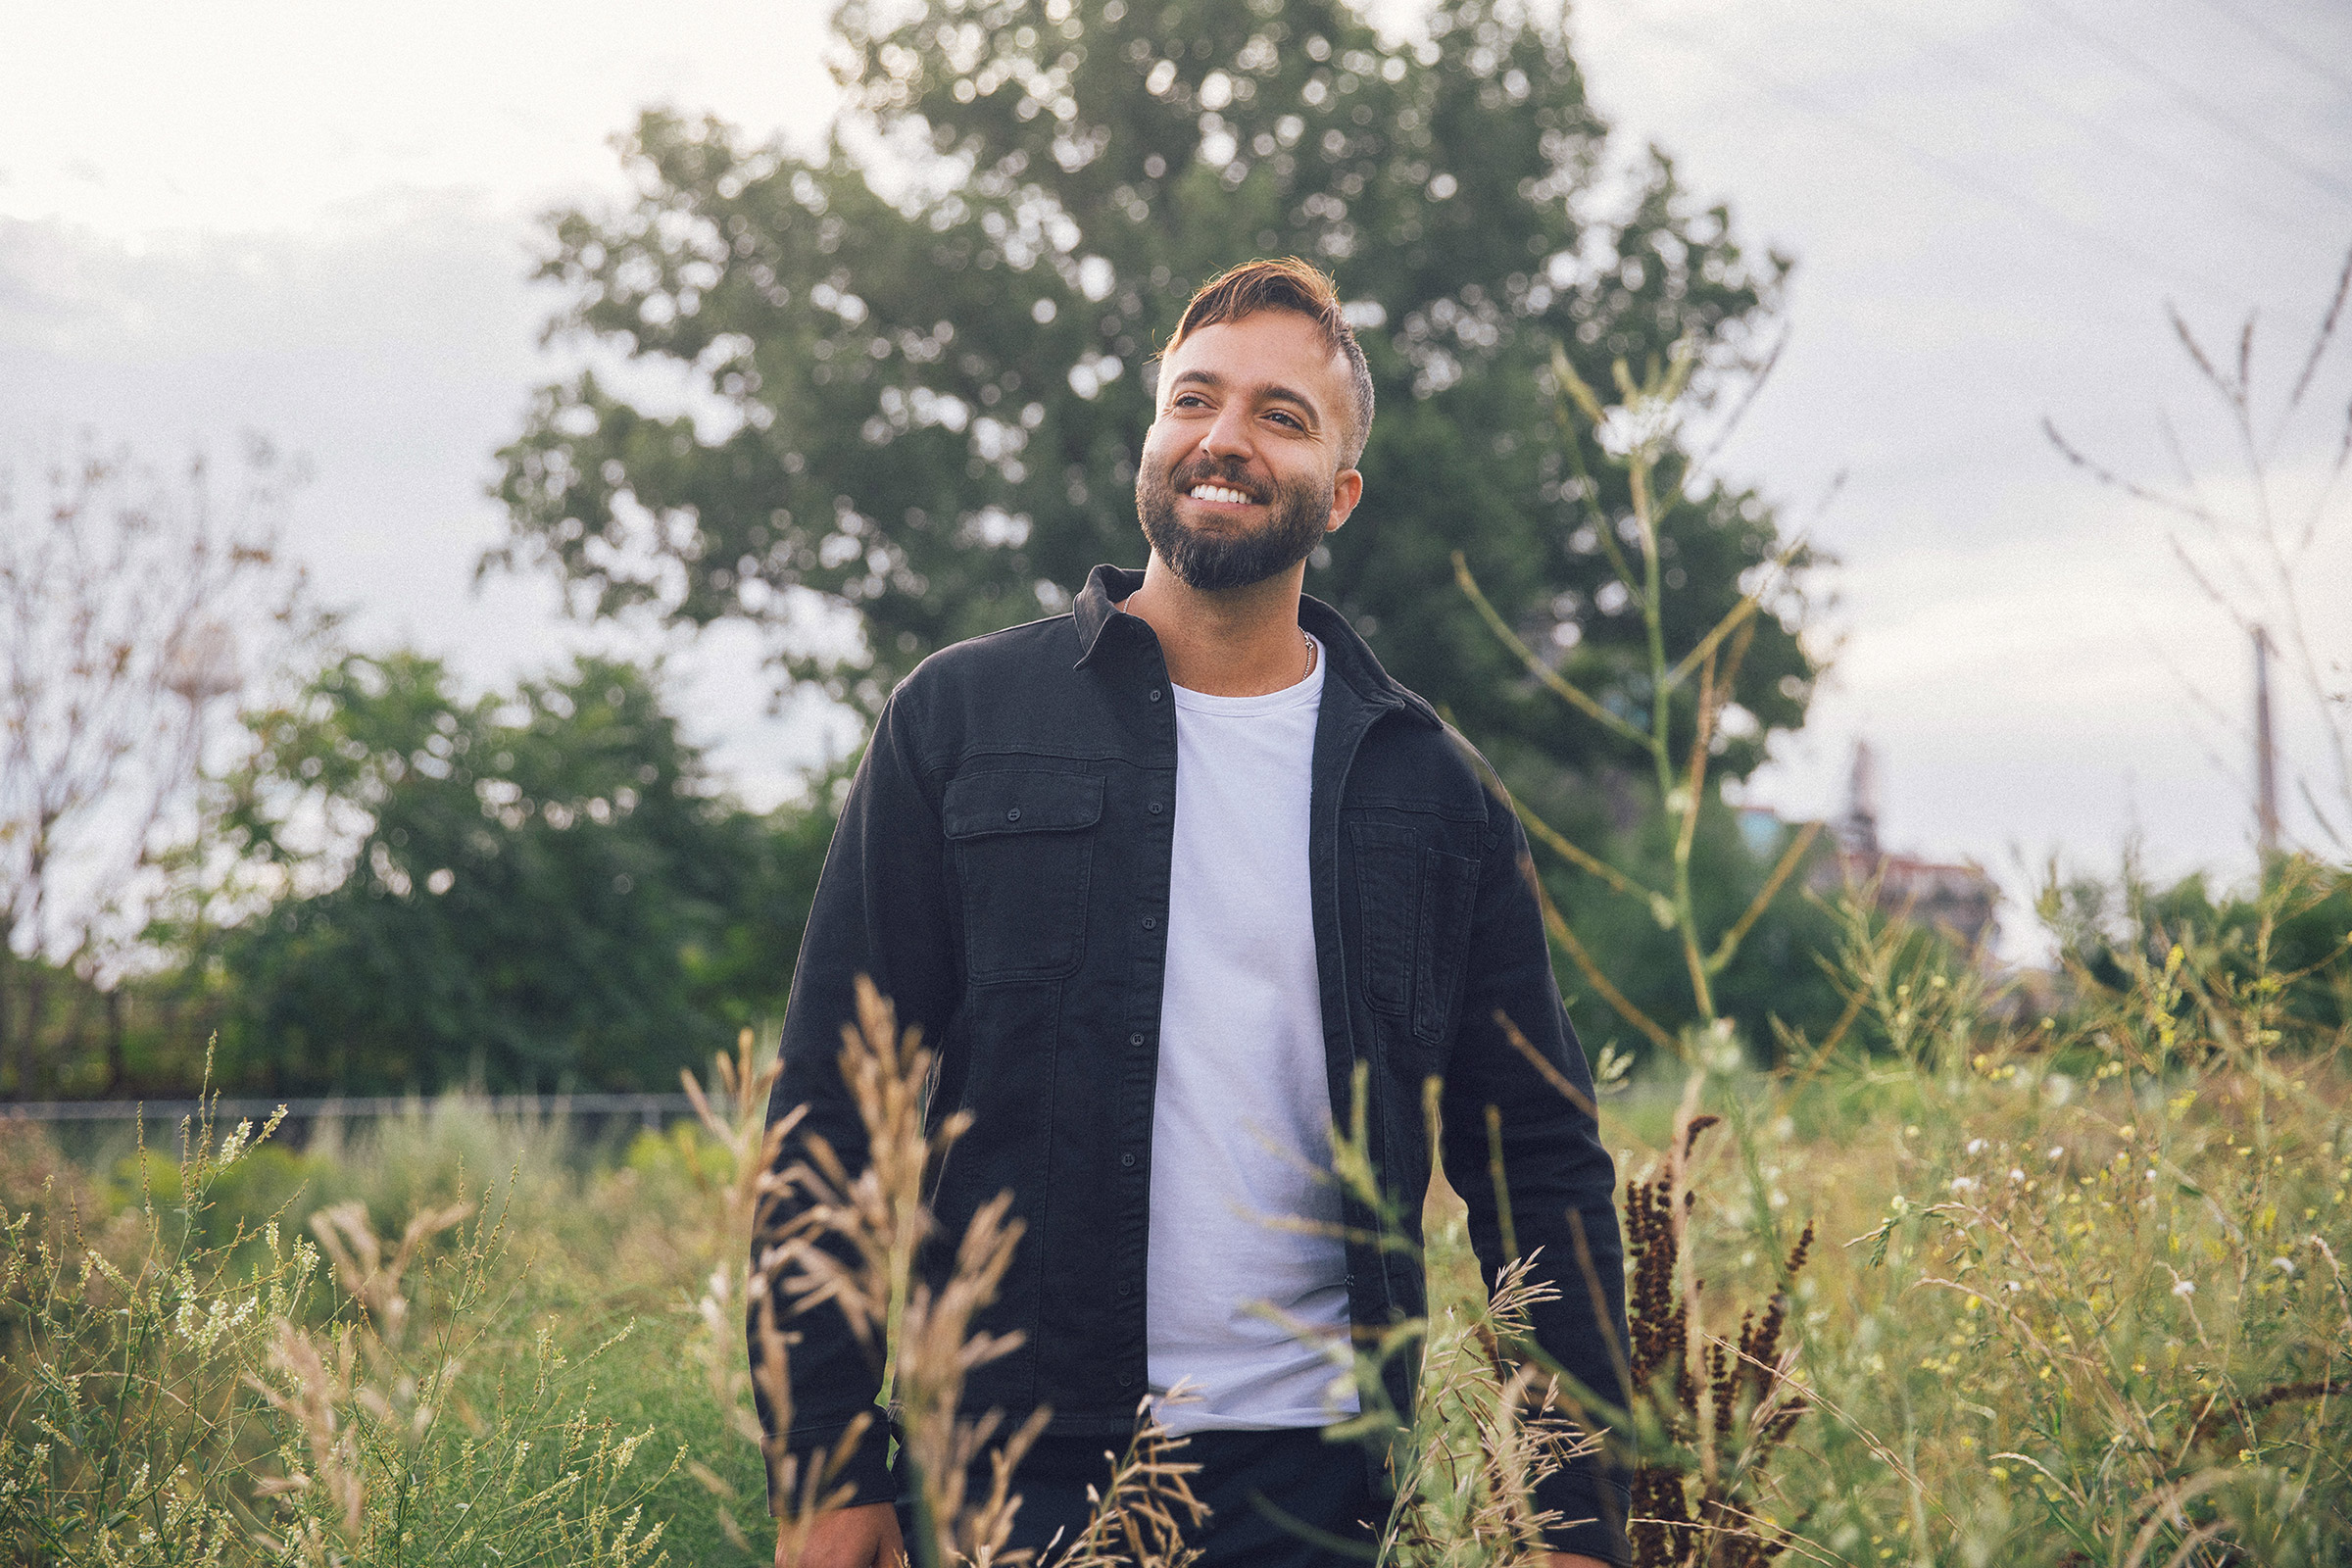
point(1214, 381)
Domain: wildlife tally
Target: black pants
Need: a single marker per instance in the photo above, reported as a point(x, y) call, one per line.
point(1276, 1499)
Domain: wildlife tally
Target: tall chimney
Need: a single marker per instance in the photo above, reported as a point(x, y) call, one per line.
point(1861, 826)
point(2265, 756)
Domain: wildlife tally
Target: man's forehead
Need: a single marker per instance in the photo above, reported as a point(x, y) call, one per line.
point(1265, 350)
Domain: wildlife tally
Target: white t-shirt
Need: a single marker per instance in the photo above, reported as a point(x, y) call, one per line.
point(1241, 1127)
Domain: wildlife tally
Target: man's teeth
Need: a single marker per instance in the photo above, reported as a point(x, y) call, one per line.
point(1218, 492)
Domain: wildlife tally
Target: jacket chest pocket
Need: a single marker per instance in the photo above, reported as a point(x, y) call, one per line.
point(1022, 846)
point(1414, 905)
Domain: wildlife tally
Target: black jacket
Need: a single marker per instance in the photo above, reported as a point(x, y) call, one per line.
point(1001, 870)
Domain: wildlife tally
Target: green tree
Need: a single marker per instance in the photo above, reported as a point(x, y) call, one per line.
point(921, 374)
point(2291, 926)
point(543, 890)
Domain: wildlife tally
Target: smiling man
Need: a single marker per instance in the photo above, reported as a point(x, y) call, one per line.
point(1162, 877)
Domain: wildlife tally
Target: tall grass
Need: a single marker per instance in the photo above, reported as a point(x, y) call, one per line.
point(2075, 1296)
point(173, 1399)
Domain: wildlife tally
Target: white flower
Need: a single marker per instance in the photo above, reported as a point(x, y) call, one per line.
point(2186, 1289)
point(1963, 1184)
point(2058, 1152)
point(1976, 1146)
point(2016, 1175)
point(2285, 1265)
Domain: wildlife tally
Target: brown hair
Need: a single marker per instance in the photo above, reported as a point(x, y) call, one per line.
point(1304, 289)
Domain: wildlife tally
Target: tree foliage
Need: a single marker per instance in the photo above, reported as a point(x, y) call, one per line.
point(542, 890)
point(919, 361)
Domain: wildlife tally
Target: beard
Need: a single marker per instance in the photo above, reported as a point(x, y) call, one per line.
point(1208, 561)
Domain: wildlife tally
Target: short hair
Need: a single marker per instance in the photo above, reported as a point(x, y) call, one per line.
point(1303, 289)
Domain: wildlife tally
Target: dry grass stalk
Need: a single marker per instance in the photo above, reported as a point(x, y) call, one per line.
point(373, 1279)
point(1719, 1406)
point(311, 1395)
point(850, 1243)
point(1135, 1523)
point(1495, 1427)
point(733, 1110)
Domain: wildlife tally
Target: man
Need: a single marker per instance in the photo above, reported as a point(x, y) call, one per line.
point(1157, 878)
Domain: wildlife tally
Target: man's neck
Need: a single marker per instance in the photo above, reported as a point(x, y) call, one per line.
point(1237, 642)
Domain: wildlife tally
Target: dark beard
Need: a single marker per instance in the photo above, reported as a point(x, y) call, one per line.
point(1210, 561)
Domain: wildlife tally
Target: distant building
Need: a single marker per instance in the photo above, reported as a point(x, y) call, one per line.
point(1959, 900)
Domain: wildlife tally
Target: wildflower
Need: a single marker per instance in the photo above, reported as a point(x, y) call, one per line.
point(2186, 1289)
point(1963, 1184)
point(1976, 1146)
point(2016, 1175)
point(2285, 1265)
point(2057, 1151)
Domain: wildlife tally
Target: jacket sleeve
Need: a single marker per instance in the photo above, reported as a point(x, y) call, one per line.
point(1554, 1166)
point(881, 909)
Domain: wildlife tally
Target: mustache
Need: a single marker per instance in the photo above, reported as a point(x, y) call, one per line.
point(1233, 473)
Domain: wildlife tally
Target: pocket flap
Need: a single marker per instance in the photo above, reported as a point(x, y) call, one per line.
point(981, 803)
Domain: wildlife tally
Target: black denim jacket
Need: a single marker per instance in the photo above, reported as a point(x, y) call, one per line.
point(1001, 870)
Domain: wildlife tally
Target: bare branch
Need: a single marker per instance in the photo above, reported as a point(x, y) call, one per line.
point(2206, 584)
point(2196, 352)
point(2319, 343)
point(120, 598)
point(2108, 476)
point(1747, 401)
point(2312, 802)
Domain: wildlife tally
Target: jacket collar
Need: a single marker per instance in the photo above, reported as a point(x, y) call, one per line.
point(1097, 614)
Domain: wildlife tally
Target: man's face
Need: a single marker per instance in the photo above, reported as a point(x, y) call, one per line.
point(1242, 474)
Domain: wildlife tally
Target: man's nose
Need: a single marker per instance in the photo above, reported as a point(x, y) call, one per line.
point(1227, 435)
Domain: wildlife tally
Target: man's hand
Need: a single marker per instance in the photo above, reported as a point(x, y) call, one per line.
point(864, 1536)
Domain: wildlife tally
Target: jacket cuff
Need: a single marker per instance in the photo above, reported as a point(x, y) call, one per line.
point(866, 1471)
point(1594, 1508)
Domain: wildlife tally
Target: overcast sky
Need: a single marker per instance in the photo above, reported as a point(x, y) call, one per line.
point(317, 222)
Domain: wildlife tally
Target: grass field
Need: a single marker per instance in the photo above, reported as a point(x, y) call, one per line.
point(2074, 1297)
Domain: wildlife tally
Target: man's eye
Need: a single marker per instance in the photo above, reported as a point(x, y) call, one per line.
point(1188, 400)
point(1290, 419)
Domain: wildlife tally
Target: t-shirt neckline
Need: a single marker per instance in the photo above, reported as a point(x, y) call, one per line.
point(1306, 689)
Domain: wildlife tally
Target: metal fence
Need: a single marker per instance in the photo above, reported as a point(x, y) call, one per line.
point(652, 1110)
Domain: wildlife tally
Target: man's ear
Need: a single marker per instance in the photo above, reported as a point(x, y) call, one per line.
point(1346, 491)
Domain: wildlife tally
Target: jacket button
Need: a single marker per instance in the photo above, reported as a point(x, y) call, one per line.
point(1155, 693)
point(1014, 815)
point(1151, 924)
point(1127, 1162)
point(1156, 807)
point(1126, 1380)
point(1136, 1039)
point(1126, 1287)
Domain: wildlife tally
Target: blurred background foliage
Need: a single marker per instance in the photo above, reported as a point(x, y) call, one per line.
point(875, 400)
point(543, 890)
